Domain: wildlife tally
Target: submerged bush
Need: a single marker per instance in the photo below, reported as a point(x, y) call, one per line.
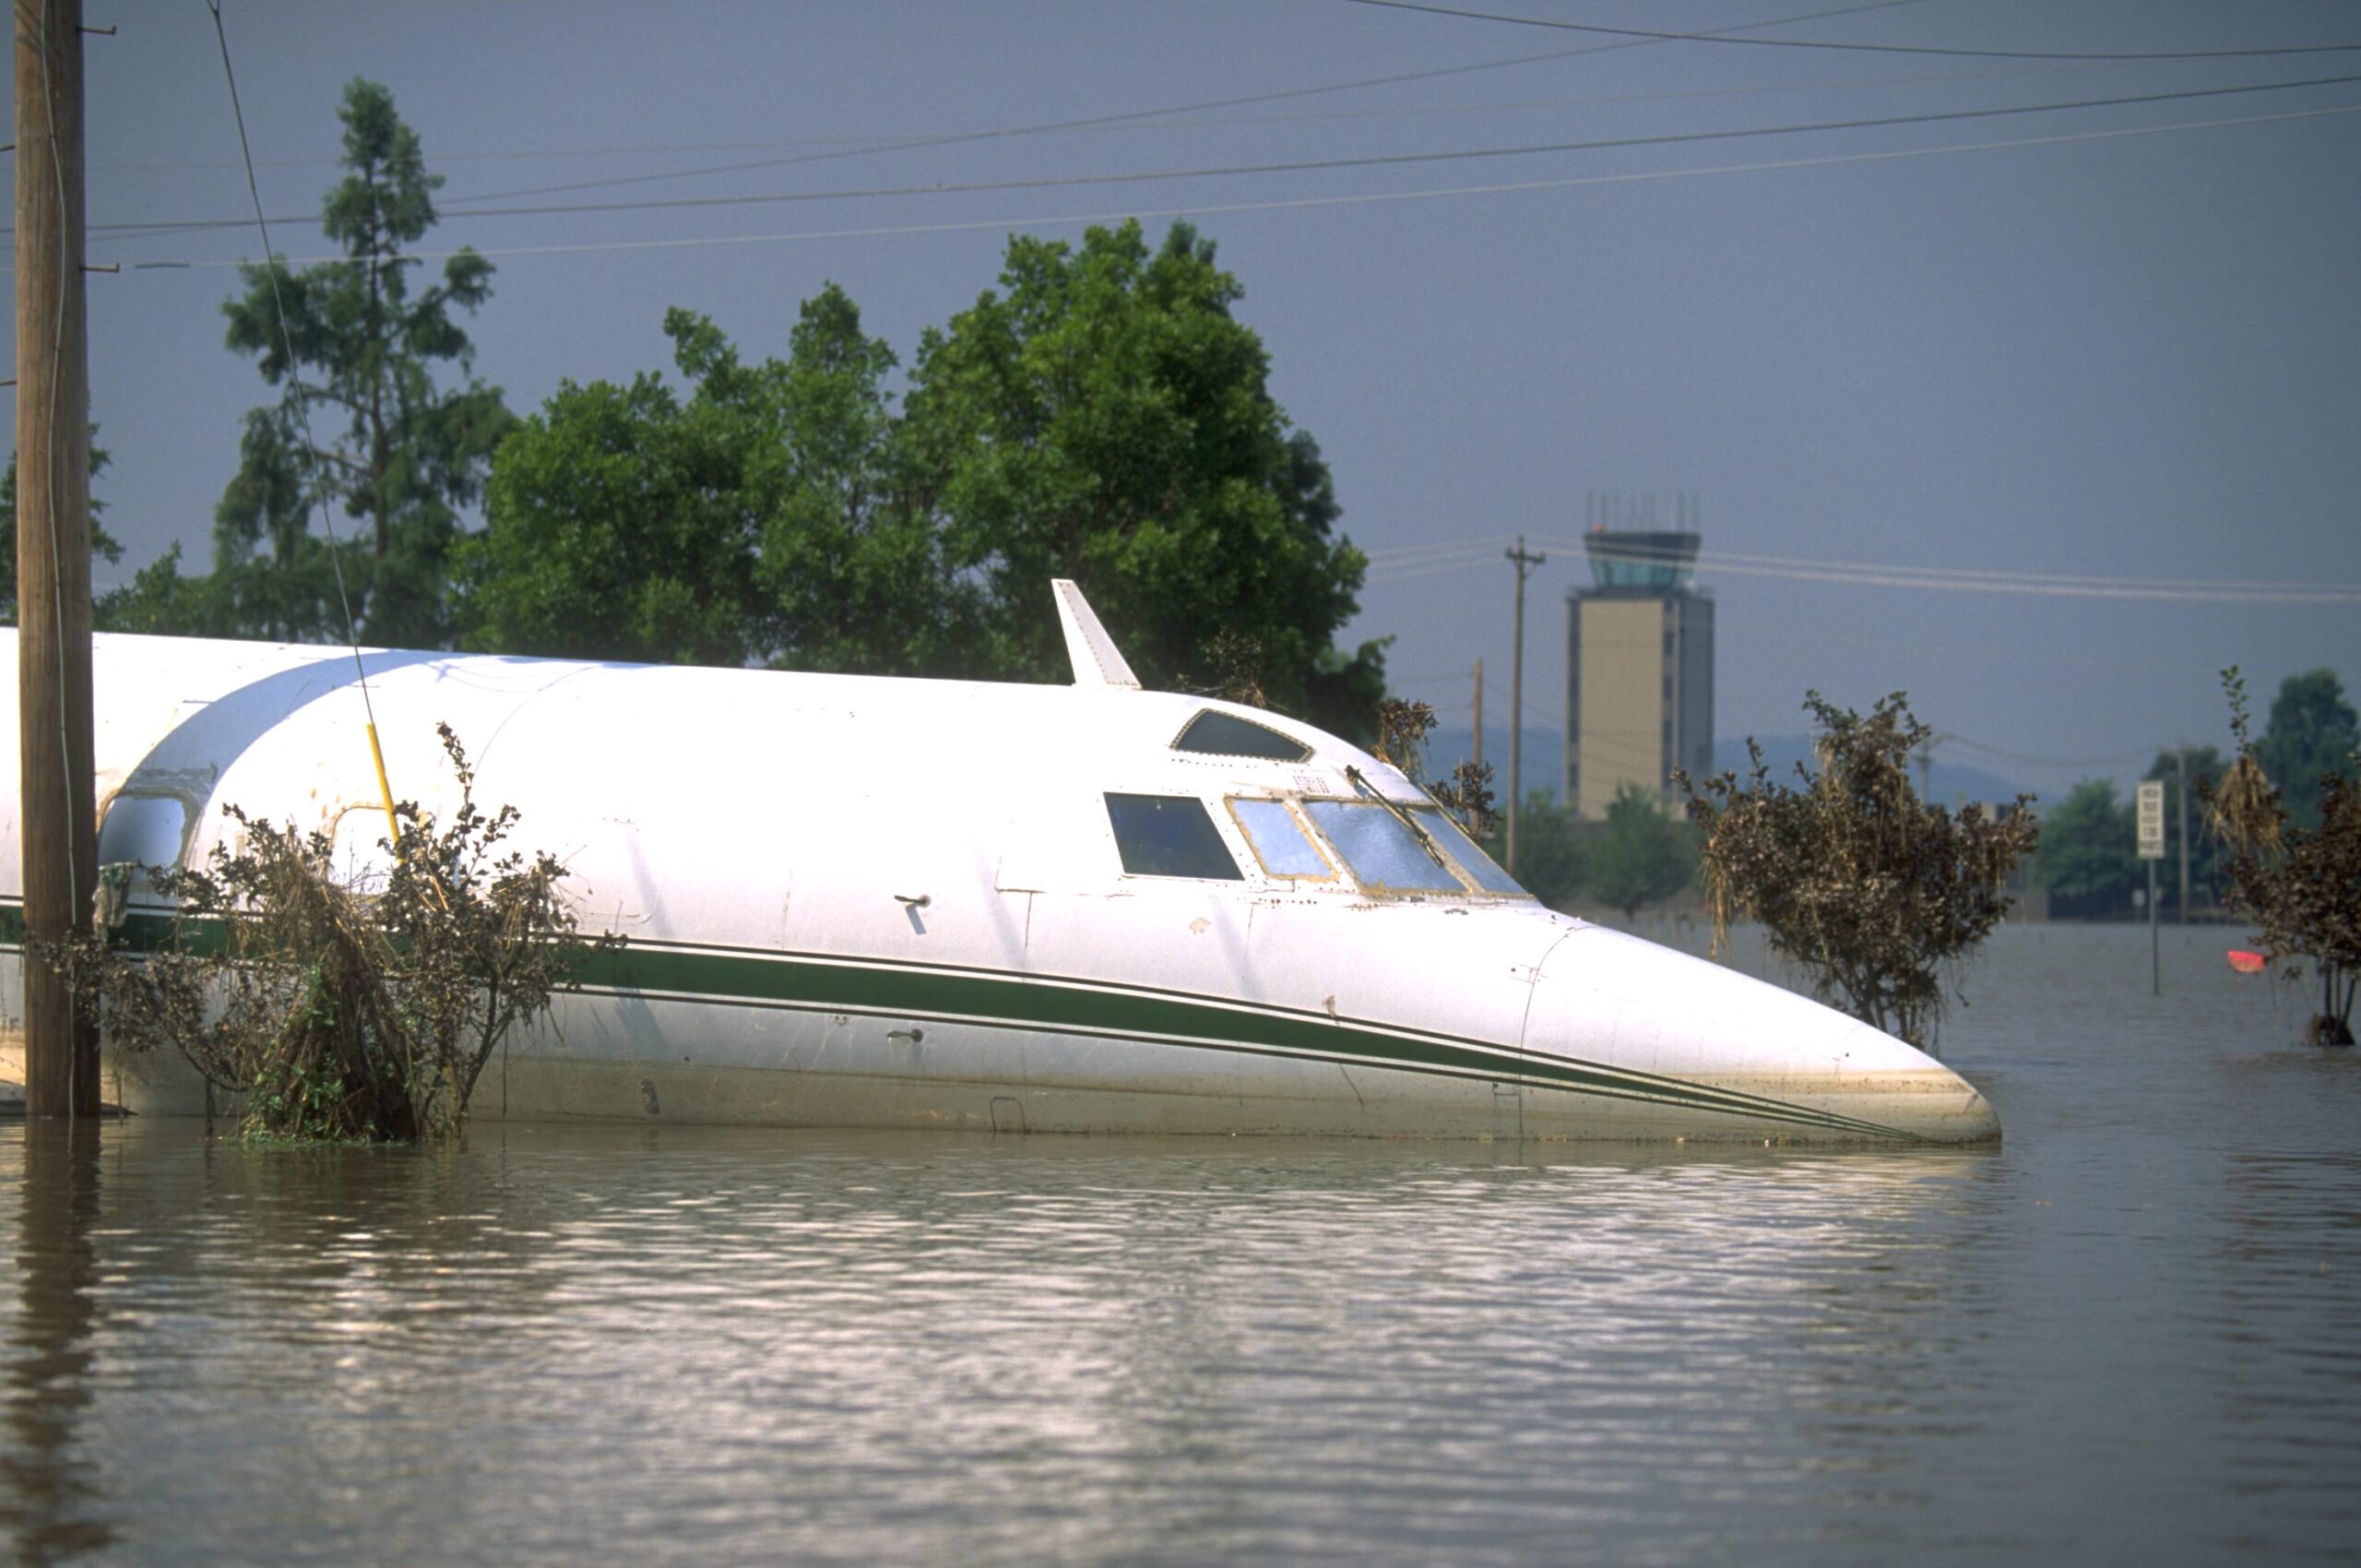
point(338, 1009)
point(2301, 886)
point(1868, 889)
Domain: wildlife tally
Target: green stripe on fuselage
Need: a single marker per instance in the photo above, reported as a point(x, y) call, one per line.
point(999, 999)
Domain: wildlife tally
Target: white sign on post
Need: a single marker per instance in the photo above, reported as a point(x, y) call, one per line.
point(2152, 820)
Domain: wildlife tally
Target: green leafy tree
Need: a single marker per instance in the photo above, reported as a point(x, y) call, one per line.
point(758, 518)
point(620, 528)
point(1103, 416)
point(2311, 732)
point(1639, 854)
point(363, 424)
point(2089, 849)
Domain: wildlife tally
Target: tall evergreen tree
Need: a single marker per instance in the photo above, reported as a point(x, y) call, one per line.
point(363, 424)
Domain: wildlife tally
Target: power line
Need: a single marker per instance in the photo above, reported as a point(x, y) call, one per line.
point(1937, 578)
point(1313, 165)
point(1212, 209)
point(1655, 37)
point(1136, 115)
point(1727, 559)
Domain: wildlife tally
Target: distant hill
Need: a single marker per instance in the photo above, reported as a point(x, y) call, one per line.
point(1949, 783)
point(1545, 754)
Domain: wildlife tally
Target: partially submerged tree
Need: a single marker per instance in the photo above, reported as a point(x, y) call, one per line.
point(342, 1011)
point(1870, 891)
point(2301, 886)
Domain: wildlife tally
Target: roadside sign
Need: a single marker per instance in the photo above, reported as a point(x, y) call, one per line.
point(2152, 820)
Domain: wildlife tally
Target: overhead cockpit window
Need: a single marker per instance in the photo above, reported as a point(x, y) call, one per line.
point(1379, 847)
point(1226, 734)
point(1478, 865)
point(1170, 836)
point(1278, 840)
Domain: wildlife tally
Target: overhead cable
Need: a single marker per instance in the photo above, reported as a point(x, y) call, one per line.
point(1653, 35)
point(1129, 116)
point(1215, 209)
point(1673, 138)
point(1952, 580)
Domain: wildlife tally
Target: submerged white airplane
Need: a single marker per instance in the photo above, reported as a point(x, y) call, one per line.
point(863, 902)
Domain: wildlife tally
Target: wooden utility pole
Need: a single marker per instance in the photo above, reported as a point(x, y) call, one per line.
point(59, 825)
point(2180, 759)
point(1479, 758)
point(1525, 564)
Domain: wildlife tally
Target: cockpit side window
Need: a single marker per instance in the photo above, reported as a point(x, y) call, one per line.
point(1226, 734)
point(1381, 847)
point(1278, 840)
point(1478, 865)
point(1170, 836)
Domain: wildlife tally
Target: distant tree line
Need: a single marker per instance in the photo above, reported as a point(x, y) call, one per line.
point(2088, 862)
point(1101, 414)
point(1638, 854)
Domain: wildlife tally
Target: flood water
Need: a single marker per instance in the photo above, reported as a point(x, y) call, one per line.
point(2129, 1333)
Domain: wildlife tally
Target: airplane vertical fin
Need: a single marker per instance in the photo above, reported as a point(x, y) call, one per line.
point(1097, 660)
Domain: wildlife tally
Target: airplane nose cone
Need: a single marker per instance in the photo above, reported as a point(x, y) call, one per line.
point(1759, 1061)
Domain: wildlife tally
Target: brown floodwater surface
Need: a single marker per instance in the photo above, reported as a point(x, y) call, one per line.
point(2129, 1333)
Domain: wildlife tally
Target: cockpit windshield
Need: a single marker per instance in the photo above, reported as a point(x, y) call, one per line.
point(1479, 866)
point(1379, 847)
point(1278, 840)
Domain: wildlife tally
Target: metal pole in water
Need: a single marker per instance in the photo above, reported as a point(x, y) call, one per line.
point(2156, 962)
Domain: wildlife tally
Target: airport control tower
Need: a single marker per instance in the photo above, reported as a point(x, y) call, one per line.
point(1639, 669)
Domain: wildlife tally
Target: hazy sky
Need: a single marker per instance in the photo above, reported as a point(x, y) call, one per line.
point(2103, 356)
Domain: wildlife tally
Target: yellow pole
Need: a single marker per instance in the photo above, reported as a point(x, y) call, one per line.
point(384, 790)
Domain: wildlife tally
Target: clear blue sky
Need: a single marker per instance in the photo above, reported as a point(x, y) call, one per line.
point(2104, 355)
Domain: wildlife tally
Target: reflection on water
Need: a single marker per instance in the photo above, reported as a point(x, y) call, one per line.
point(2128, 1334)
point(46, 1502)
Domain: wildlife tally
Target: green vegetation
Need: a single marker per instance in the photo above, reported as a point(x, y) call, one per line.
point(2301, 884)
point(1102, 414)
point(1872, 892)
point(1548, 849)
point(2311, 734)
point(410, 455)
point(2088, 859)
point(340, 1010)
point(1102, 417)
point(1639, 855)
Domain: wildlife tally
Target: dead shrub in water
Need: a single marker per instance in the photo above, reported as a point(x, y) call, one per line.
point(2302, 888)
point(1868, 889)
point(342, 1013)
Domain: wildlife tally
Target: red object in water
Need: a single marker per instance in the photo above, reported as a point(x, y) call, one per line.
point(2247, 963)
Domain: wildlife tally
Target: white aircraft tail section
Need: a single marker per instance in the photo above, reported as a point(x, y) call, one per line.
point(1097, 660)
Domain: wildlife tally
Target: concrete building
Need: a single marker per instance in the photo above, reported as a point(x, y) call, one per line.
point(1639, 669)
